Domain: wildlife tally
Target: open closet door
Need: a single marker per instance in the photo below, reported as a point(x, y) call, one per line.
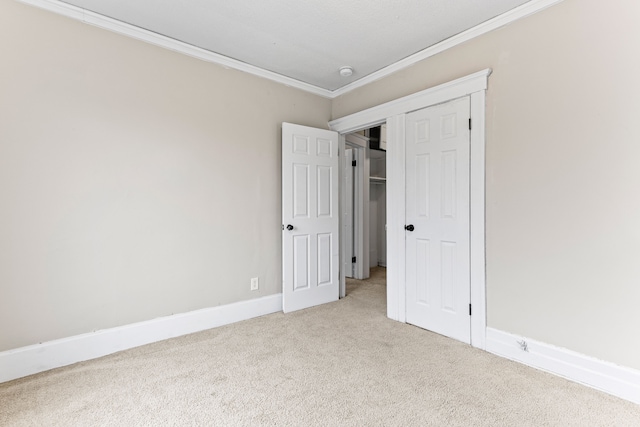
point(310, 217)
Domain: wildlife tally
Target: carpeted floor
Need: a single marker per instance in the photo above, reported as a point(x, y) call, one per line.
point(343, 363)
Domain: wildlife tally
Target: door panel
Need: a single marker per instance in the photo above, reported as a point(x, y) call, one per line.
point(437, 205)
point(324, 259)
point(310, 206)
point(300, 191)
point(300, 262)
point(324, 191)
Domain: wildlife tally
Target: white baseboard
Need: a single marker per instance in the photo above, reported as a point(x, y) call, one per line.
point(32, 359)
point(605, 376)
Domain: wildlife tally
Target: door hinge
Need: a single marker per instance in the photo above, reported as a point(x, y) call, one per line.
point(469, 123)
point(469, 309)
point(353, 259)
point(353, 163)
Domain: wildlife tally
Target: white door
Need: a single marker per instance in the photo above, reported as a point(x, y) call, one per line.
point(437, 218)
point(310, 216)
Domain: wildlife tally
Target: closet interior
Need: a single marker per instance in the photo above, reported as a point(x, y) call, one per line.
point(365, 212)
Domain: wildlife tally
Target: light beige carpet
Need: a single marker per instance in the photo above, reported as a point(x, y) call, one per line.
point(343, 363)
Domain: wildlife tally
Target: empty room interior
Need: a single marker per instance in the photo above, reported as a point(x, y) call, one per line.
point(312, 213)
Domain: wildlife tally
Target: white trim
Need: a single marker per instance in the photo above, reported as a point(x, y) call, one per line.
point(120, 27)
point(393, 113)
point(396, 277)
point(604, 376)
point(438, 94)
point(359, 144)
point(343, 202)
point(364, 214)
point(32, 359)
point(477, 220)
point(138, 33)
point(506, 18)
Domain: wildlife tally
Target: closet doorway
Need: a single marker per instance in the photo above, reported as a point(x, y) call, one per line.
point(364, 203)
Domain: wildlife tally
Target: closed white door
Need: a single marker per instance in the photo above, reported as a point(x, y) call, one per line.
point(310, 216)
point(437, 218)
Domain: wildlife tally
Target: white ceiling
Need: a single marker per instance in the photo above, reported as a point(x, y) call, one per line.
point(306, 40)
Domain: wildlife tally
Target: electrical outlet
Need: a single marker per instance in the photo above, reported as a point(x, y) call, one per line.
point(255, 284)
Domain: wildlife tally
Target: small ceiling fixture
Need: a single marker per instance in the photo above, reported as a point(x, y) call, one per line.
point(346, 71)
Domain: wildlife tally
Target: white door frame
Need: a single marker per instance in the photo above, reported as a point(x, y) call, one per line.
point(347, 218)
point(360, 145)
point(393, 113)
point(360, 211)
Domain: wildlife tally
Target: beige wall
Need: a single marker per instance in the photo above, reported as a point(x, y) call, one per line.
point(563, 148)
point(135, 182)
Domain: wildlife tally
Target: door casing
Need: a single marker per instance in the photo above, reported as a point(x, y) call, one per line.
point(347, 191)
point(360, 219)
point(393, 113)
point(361, 212)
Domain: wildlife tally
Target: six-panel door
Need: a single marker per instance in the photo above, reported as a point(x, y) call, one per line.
point(437, 206)
point(310, 216)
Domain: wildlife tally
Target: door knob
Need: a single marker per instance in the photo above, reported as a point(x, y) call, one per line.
point(409, 227)
point(289, 227)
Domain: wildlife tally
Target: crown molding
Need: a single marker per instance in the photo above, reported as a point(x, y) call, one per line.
point(138, 33)
point(519, 12)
